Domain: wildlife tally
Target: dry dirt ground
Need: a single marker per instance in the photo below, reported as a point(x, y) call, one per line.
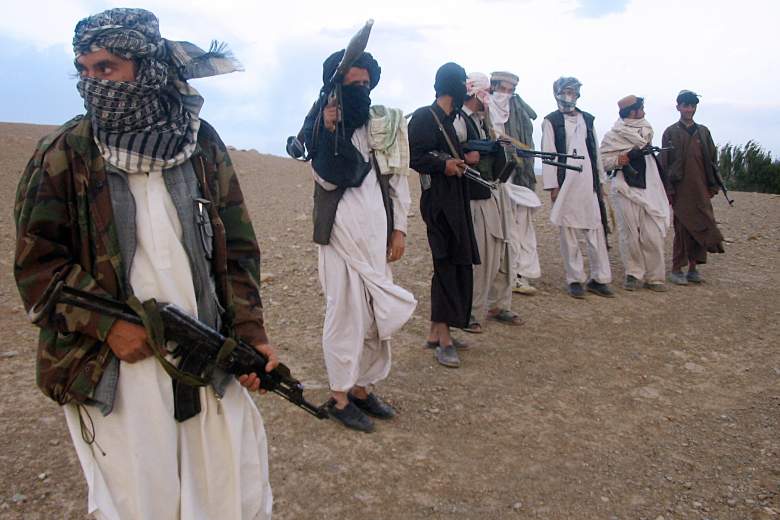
point(646, 406)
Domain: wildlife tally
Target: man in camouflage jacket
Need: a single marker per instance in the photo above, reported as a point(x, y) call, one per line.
point(65, 229)
point(102, 201)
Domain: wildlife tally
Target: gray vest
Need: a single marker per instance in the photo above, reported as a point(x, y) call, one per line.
point(327, 202)
point(191, 208)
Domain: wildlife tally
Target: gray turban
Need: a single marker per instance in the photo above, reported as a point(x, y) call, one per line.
point(135, 34)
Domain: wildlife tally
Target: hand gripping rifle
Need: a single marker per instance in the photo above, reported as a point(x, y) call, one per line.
point(200, 347)
point(470, 173)
point(638, 153)
point(296, 147)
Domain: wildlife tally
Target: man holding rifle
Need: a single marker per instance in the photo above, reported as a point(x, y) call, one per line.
point(492, 296)
point(437, 156)
point(513, 118)
point(578, 206)
point(639, 197)
point(360, 160)
point(692, 180)
point(134, 201)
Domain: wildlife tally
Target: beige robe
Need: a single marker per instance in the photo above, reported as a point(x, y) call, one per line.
point(643, 214)
point(490, 217)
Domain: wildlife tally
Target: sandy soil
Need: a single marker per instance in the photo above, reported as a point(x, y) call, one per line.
point(646, 406)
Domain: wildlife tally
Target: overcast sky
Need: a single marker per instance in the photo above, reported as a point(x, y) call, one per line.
point(724, 50)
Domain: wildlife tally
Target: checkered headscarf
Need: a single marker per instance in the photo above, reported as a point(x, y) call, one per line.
point(151, 122)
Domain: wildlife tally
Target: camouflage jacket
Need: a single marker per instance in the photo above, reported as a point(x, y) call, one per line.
point(65, 230)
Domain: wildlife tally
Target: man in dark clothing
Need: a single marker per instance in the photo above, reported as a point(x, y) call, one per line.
point(436, 155)
point(691, 172)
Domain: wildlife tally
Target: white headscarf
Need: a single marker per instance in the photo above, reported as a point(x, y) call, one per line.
point(478, 85)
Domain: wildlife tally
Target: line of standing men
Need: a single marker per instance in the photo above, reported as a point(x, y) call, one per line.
point(500, 244)
point(138, 197)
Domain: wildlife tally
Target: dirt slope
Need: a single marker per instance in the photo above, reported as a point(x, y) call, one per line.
point(646, 406)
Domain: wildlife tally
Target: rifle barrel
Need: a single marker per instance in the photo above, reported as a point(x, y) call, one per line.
point(576, 168)
point(547, 155)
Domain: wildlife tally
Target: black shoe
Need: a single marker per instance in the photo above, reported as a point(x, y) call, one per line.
point(601, 289)
point(576, 290)
point(351, 417)
point(632, 283)
point(373, 406)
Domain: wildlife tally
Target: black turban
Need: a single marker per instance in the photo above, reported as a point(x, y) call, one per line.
point(447, 77)
point(364, 61)
point(687, 97)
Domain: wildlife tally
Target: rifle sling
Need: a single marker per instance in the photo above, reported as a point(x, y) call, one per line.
point(451, 146)
point(155, 330)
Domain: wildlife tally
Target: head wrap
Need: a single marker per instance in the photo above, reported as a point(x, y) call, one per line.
point(566, 102)
point(159, 107)
point(478, 86)
point(688, 97)
point(451, 81)
point(504, 76)
point(355, 99)
point(628, 104)
point(364, 61)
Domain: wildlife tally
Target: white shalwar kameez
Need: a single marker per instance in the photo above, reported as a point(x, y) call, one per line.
point(576, 210)
point(522, 235)
point(364, 308)
point(643, 215)
point(214, 465)
point(492, 287)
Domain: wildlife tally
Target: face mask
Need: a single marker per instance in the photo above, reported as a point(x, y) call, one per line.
point(356, 102)
point(566, 102)
point(458, 93)
point(501, 98)
point(453, 86)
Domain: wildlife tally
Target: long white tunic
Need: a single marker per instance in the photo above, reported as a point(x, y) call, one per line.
point(214, 465)
point(643, 215)
point(576, 205)
point(364, 308)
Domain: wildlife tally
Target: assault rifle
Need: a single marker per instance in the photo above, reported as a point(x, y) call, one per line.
point(487, 146)
point(470, 173)
point(551, 158)
point(296, 147)
point(721, 184)
point(200, 347)
point(634, 153)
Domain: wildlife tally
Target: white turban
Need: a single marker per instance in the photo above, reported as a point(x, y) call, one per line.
point(478, 85)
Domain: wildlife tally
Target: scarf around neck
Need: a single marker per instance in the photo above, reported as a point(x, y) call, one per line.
point(152, 122)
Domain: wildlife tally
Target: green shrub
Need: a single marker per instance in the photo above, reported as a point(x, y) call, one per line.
point(749, 168)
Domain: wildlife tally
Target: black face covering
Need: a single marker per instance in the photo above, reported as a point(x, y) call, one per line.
point(356, 101)
point(451, 81)
point(458, 93)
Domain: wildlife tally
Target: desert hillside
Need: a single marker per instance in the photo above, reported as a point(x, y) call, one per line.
point(646, 406)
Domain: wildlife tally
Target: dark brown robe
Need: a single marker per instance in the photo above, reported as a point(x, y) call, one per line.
point(690, 169)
